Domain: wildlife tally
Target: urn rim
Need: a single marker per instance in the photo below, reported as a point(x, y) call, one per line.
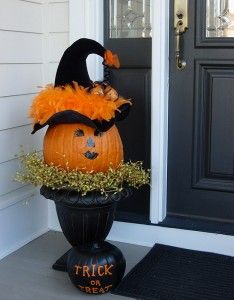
point(73, 198)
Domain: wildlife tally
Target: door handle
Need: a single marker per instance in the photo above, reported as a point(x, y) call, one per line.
point(180, 63)
point(180, 27)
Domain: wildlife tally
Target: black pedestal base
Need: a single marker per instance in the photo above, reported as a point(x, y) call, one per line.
point(96, 269)
point(95, 266)
point(61, 263)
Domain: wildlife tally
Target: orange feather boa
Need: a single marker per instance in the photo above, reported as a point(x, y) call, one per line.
point(52, 100)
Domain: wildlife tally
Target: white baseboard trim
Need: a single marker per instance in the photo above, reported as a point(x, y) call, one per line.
point(56, 228)
point(147, 235)
point(23, 243)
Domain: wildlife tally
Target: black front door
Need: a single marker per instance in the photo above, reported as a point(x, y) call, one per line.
point(201, 116)
point(127, 32)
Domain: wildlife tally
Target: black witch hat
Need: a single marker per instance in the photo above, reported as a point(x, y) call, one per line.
point(72, 81)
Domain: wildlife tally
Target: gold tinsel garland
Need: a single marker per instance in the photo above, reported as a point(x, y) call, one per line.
point(36, 172)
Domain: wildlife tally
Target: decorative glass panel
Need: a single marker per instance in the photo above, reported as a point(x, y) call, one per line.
point(130, 18)
point(219, 18)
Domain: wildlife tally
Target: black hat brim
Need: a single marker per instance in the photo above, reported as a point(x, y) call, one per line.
point(71, 116)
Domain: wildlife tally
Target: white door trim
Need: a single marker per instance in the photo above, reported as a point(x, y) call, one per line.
point(159, 108)
point(86, 20)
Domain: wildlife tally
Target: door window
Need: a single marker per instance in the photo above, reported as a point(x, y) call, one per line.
point(219, 18)
point(129, 19)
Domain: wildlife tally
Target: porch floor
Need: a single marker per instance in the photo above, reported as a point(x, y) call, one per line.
point(27, 274)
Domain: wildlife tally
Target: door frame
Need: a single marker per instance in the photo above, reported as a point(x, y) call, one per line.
point(90, 24)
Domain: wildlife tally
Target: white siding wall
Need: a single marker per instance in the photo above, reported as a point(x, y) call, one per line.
point(57, 41)
point(21, 71)
point(33, 36)
point(57, 35)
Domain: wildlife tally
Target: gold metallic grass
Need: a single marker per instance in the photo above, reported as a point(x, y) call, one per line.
point(36, 172)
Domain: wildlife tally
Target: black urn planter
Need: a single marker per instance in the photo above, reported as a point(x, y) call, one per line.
point(94, 266)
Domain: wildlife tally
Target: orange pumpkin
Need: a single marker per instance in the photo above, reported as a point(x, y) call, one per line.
point(77, 146)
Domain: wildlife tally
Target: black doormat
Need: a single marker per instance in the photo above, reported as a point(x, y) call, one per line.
point(174, 273)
